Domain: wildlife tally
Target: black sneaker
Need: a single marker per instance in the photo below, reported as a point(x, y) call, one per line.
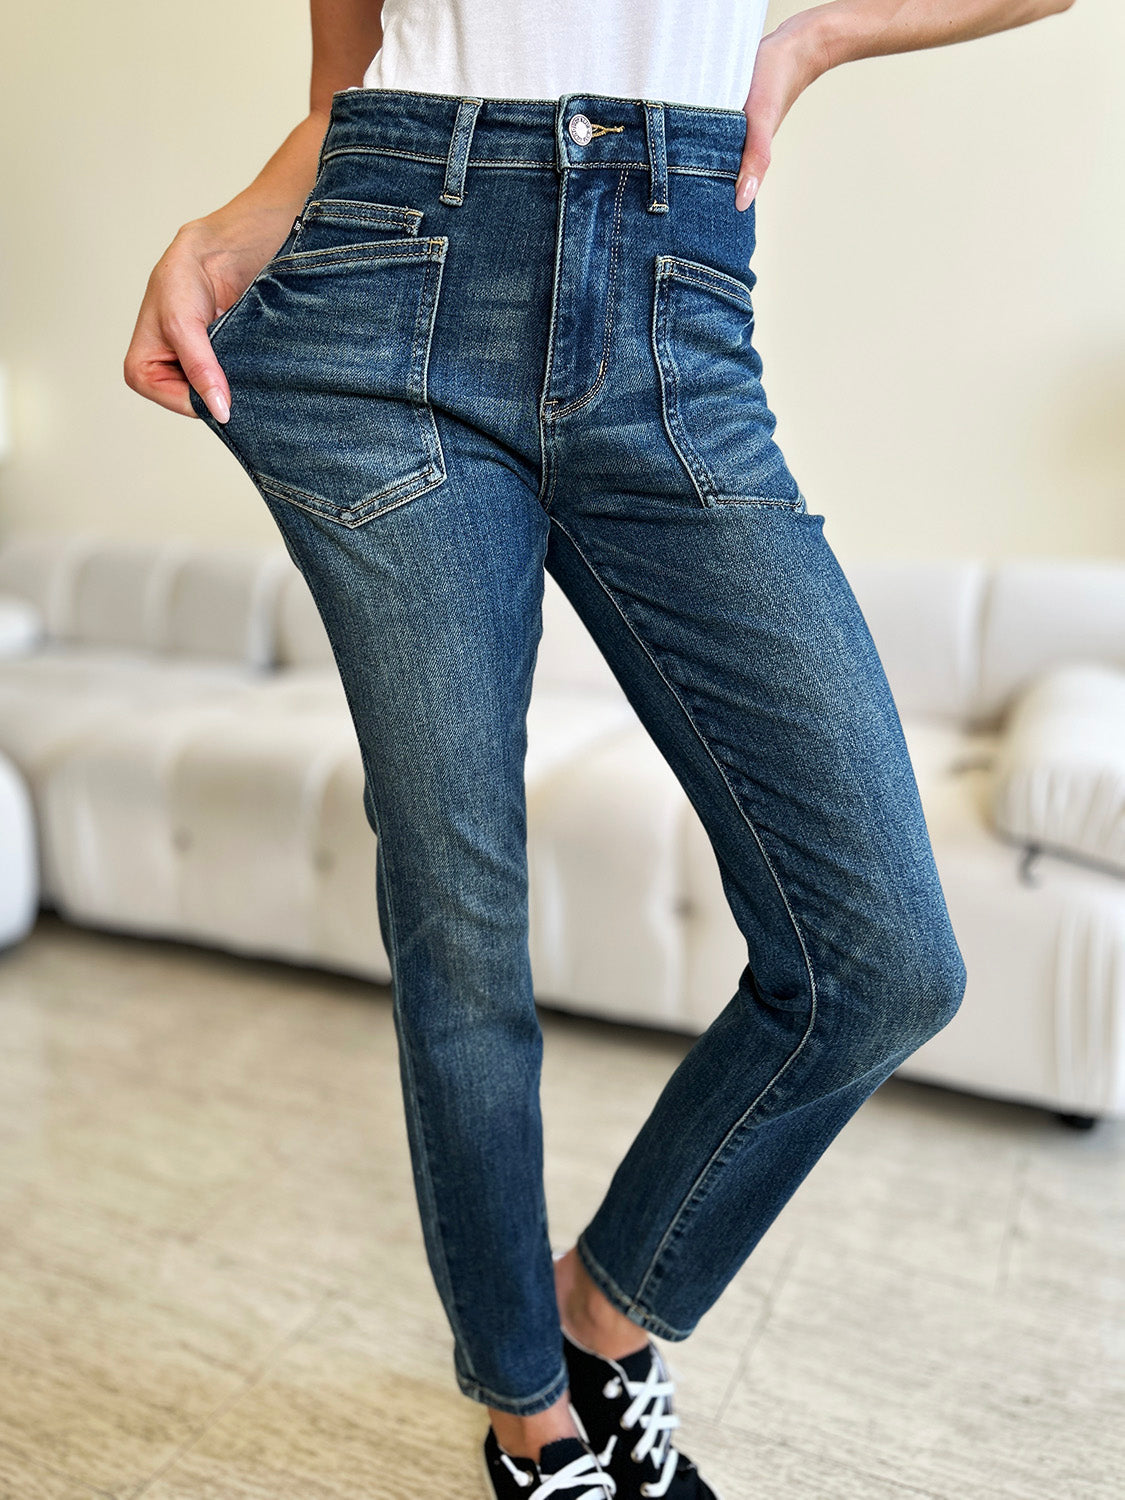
point(624, 1409)
point(566, 1469)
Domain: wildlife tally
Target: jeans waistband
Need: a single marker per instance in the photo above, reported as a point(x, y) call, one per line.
point(582, 131)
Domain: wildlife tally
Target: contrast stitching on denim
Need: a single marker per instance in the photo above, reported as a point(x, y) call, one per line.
point(360, 211)
point(633, 1309)
point(709, 278)
point(666, 367)
point(432, 159)
point(315, 505)
point(543, 1398)
point(706, 172)
point(776, 501)
point(460, 144)
point(424, 333)
point(371, 250)
point(686, 1203)
point(546, 455)
point(369, 221)
point(658, 157)
point(670, 403)
point(428, 314)
point(353, 515)
point(421, 480)
point(607, 324)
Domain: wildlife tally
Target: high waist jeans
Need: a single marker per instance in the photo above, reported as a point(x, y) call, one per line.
point(509, 335)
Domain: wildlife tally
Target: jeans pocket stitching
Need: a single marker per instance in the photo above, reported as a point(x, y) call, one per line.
point(348, 211)
point(669, 374)
point(431, 471)
point(710, 278)
point(712, 282)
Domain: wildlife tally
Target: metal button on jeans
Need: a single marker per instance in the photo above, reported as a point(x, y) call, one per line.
point(580, 130)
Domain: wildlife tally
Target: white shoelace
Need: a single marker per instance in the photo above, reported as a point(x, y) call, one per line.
point(649, 1407)
point(579, 1479)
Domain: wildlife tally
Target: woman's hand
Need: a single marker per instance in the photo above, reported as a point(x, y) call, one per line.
point(211, 262)
point(207, 266)
point(789, 58)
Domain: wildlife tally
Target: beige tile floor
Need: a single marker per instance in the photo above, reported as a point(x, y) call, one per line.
point(212, 1284)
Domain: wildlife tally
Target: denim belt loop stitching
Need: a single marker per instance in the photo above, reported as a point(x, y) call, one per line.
point(453, 189)
point(657, 156)
point(562, 156)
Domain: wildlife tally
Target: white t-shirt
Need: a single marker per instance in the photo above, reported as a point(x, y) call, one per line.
point(679, 51)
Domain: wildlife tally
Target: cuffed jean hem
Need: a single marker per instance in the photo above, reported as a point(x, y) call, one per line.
point(622, 1301)
point(526, 1406)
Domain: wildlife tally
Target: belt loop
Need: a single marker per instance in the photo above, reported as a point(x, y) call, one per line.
point(562, 155)
point(657, 156)
point(453, 190)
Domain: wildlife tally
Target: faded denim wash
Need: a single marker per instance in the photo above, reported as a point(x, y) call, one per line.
point(497, 342)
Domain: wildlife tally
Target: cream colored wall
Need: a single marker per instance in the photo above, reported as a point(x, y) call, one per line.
point(940, 252)
point(941, 314)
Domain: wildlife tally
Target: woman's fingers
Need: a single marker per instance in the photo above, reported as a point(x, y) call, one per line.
point(763, 110)
point(160, 366)
point(170, 349)
point(785, 64)
point(755, 159)
point(197, 361)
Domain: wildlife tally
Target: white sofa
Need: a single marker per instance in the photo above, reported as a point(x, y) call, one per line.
point(195, 775)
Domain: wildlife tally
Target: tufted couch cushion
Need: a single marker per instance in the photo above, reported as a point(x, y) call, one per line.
point(1060, 770)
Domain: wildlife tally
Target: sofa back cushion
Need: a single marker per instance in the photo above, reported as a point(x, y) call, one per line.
point(220, 603)
point(40, 567)
point(568, 657)
point(115, 593)
point(1044, 613)
point(924, 616)
point(300, 638)
point(173, 597)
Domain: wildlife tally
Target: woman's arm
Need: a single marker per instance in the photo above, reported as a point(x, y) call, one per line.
point(212, 260)
point(806, 45)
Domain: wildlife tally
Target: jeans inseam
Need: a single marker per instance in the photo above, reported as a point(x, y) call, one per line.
point(690, 1197)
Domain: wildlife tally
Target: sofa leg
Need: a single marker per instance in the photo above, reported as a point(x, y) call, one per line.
point(1077, 1122)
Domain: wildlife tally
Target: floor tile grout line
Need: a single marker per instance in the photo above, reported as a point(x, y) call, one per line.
point(768, 1305)
point(253, 1379)
point(1018, 1194)
point(37, 1463)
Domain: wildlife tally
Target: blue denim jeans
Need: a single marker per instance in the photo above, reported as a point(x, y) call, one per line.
point(509, 335)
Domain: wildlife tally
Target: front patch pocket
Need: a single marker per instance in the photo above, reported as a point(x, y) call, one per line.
point(326, 355)
point(713, 405)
